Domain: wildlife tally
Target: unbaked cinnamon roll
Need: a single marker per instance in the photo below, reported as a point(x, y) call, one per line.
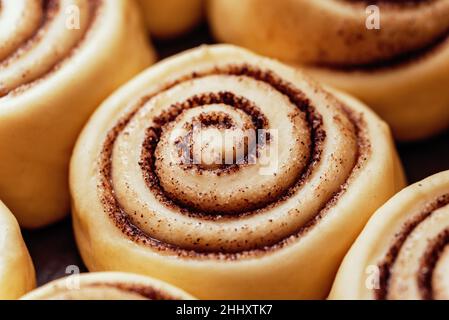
point(171, 18)
point(58, 60)
point(107, 286)
point(16, 269)
point(403, 253)
point(394, 55)
point(229, 175)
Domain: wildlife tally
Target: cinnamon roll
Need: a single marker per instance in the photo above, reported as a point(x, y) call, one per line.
point(16, 269)
point(403, 253)
point(171, 18)
point(107, 286)
point(393, 55)
point(229, 175)
point(58, 60)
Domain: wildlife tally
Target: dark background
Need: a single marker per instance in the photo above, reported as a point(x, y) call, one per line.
point(53, 249)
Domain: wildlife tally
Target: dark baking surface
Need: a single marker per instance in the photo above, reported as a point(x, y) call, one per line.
point(53, 249)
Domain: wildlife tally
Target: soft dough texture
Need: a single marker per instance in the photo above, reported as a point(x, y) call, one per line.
point(400, 70)
point(107, 286)
point(16, 269)
point(53, 73)
point(171, 18)
point(229, 231)
point(403, 252)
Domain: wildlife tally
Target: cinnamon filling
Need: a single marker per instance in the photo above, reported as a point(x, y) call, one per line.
point(103, 290)
point(51, 10)
point(148, 158)
point(122, 220)
point(428, 261)
point(144, 291)
point(403, 59)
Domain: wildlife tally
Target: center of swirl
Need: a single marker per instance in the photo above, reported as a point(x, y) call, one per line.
point(37, 36)
point(216, 154)
point(218, 136)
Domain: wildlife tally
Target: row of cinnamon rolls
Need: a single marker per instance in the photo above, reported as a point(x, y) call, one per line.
point(149, 196)
point(401, 254)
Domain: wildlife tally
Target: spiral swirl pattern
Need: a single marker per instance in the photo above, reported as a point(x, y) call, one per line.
point(53, 58)
point(204, 210)
point(413, 260)
point(43, 37)
point(107, 286)
point(427, 264)
point(225, 213)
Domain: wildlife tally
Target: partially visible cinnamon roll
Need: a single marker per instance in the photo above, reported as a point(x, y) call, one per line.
point(394, 55)
point(58, 60)
point(171, 18)
point(107, 286)
point(403, 253)
point(16, 268)
point(229, 175)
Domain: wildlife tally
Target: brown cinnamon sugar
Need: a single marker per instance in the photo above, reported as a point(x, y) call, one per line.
point(50, 8)
point(121, 219)
point(429, 262)
point(386, 265)
point(147, 292)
